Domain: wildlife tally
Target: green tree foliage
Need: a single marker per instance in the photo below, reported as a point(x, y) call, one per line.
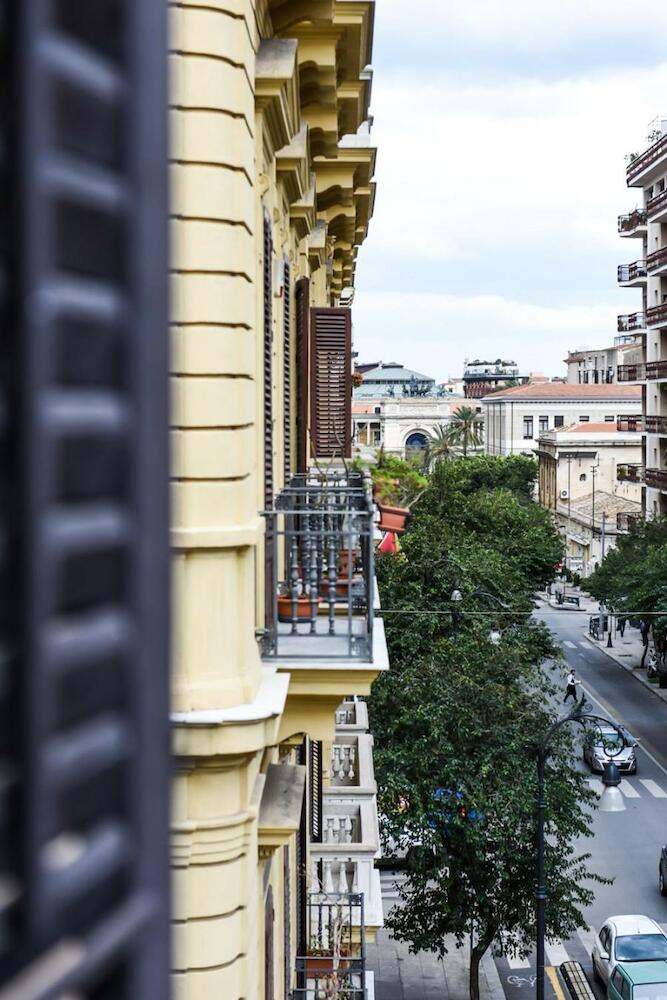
point(459, 713)
point(467, 428)
point(633, 576)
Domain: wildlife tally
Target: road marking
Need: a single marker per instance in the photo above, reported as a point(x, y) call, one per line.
point(570, 645)
point(585, 645)
point(556, 952)
point(642, 747)
point(628, 790)
point(553, 978)
point(515, 962)
point(587, 937)
point(654, 788)
point(596, 785)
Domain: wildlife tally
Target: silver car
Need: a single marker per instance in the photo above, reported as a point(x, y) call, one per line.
point(605, 744)
point(631, 938)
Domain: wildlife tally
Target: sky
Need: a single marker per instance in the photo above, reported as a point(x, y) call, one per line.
point(502, 128)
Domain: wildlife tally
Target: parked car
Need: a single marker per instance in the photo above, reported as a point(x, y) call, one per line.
point(629, 939)
point(662, 872)
point(605, 744)
point(638, 981)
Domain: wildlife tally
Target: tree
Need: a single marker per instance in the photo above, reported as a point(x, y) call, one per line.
point(440, 446)
point(456, 720)
point(467, 428)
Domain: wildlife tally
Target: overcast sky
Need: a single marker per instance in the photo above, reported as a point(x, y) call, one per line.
point(502, 127)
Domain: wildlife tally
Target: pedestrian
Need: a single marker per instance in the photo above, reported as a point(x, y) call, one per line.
point(571, 689)
point(644, 629)
point(621, 625)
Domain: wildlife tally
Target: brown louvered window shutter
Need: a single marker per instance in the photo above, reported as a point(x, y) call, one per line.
point(268, 418)
point(287, 372)
point(315, 781)
point(302, 311)
point(331, 381)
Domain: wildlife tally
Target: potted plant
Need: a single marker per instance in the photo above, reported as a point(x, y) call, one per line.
point(304, 606)
point(396, 495)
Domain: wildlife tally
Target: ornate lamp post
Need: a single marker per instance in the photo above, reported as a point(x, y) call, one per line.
point(611, 800)
point(457, 598)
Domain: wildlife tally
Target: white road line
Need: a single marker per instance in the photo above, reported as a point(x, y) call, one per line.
point(517, 963)
point(556, 952)
point(596, 785)
point(654, 788)
point(587, 937)
point(628, 790)
point(570, 645)
point(585, 645)
point(641, 748)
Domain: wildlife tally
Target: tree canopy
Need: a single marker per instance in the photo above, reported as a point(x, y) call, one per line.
point(457, 718)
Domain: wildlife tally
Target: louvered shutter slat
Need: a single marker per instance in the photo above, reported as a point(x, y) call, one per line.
point(302, 315)
point(287, 373)
point(331, 388)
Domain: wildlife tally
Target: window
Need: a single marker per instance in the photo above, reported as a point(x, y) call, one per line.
point(544, 424)
point(377, 409)
point(584, 420)
point(625, 988)
point(582, 477)
point(609, 420)
point(616, 980)
point(604, 938)
point(527, 427)
point(559, 421)
point(641, 948)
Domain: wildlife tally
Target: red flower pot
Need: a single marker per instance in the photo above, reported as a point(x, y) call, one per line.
point(344, 560)
point(342, 588)
point(393, 518)
point(303, 607)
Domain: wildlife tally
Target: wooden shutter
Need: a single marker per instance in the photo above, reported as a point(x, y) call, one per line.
point(315, 785)
point(268, 419)
point(84, 907)
point(331, 381)
point(302, 310)
point(287, 372)
point(269, 962)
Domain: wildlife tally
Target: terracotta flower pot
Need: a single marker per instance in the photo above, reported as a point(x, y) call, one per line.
point(393, 518)
point(342, 588)
point(344, 560)
point(303, 607)
point(318, 965)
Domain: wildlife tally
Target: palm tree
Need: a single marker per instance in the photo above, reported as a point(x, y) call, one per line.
point(440, 446)
point(467, 428)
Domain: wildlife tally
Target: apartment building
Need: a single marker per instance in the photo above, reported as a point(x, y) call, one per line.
point(598, 366)
point(275, 822)
point(647, 224)
point(515, 419)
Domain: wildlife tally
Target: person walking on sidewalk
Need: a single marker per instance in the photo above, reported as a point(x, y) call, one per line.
point(620, 625)
point(571, 689)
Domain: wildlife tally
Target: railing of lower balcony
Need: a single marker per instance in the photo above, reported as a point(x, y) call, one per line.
point(657, 478)
point(320, 534)
point(657, 316)
point(655, 425)
point(631, 373)
point(628, 223)
point(630, 272)
point(645, 159)
point(656, 260)
point(335, 961)
point(624, 520)
point(656, 369)
point(631, 321)
point(630, 473)
point(632, 424)
point(656, 204)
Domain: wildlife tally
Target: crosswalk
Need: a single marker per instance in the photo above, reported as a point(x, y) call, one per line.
point(634, 789)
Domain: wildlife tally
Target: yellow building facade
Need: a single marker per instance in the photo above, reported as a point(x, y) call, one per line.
point(274, 813)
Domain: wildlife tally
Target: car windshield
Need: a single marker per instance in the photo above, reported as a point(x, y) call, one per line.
point(650, 991)
point(609, 741)
point(641, 948)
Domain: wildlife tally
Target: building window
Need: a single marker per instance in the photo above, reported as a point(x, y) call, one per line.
point(544, 425)
point(582, 477)
point(584, 420)
point(377, 409)
point(609, 420)
point(559, 421)
point(527, 427)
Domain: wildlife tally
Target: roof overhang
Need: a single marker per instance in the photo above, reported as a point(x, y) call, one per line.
point(277, 91)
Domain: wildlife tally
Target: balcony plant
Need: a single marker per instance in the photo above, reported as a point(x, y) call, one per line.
point(304, 605)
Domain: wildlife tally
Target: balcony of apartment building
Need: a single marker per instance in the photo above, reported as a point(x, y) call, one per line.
point(655, 424)
point(625, 520)
point(631, 423)
point(656, 478)
point(631, 373)
point(656, 370)
point(656, 207)
point(657, 316)
point(632, 275)
point(630, 473)
point(632, 224)
point(645, 167)
point(630, 322)
point(334, 963)
point(656, 262)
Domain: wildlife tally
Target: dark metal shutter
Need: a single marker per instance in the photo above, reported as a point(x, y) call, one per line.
point(287, 920)
point(85, 357)
point(269, 976)
point(315, 786)
point(267, 259)
point(331, 381)
point(287, 372)
point(301, 900)
point(302, 311)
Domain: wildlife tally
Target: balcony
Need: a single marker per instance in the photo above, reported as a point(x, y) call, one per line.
point(657, 478)
point(657, 316)
point(655, 425)
point(656, 210)
point(625, 520)
point(631, 321)
point(631, 424)
point(639, 169)
point(335, 961)
point(656, 263)
point(656, 369)
point(630, 473)
point(352, 717)
point(633, 224)
point(632, 275)
point(631, 373)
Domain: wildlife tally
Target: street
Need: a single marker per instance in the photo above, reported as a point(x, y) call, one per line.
point(625, 847)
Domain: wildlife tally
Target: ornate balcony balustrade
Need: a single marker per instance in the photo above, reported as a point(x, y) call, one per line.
point(631, 373)
point(320, 561)
point(630, 223)
point(657, 316)
point(656, 369)
point(335, 961)
point(656, 261)
point(632, 424)
point(657, 205)
point(655, 425)
point(632, 272)
point(631, 321)
point(352, 716)
point(657, 478)
point(630, 473)
point(646, 159)
point(624, 520)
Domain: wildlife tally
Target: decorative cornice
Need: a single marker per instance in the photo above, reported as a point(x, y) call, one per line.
point(277, 90)
point(293, 165)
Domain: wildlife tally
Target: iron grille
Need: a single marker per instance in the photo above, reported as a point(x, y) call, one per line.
point(287, 372)
point(84, 905)
point(315, 791)
point(334, 964)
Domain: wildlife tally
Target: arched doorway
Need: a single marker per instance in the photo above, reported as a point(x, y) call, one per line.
point(415, 445)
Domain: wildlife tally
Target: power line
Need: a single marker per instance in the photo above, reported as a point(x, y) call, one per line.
point(496, 614)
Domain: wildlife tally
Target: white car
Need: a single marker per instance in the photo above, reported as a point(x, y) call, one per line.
point(631, 938)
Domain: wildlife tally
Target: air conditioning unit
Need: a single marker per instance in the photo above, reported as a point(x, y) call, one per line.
point(564, 494)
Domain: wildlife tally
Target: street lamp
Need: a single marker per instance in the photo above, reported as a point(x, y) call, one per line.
point(457, 598)
point(611, 800)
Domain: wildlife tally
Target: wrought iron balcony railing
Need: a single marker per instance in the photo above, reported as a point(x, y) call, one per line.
point(335, 961)
point(657, 316)
point(656, 204)
point(631, 272)
point(646, 159)
point(631, 373)
point(319, 545)
point(631, 321)
point(655, 424)
point(656, 369)
point(657, 478)
point(625, 519)
point(655, 260)
point(631, 222)
point(630, 473)
point(632, 423)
